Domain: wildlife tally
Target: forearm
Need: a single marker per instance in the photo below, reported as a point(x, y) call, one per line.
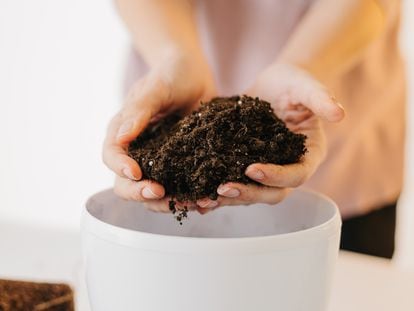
point(161, 29)
point(332, 35)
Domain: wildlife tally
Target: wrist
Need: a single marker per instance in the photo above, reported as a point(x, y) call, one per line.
point(285, 65)
point(177, 56)
point(186, 76)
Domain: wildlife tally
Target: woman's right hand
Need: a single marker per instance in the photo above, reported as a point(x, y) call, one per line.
point(177, 85)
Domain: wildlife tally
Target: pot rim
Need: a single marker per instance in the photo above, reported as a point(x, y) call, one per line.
point(330, 229)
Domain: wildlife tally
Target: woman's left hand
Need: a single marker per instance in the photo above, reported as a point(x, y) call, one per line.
point(300, 101)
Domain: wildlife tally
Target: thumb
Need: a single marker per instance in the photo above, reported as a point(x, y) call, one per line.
point(290, 84)
point(133, 123)
point(323, 105)
point(144, 101)
point(314, 95)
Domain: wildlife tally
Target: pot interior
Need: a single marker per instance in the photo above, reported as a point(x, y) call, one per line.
point(301, 210)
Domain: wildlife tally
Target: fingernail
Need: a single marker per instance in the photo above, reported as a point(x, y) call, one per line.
point(203, 211)
point(128, 173)
point(208, 204)
point(147, 193)
point(125, 128)
point(255, 174)
point(228, 192)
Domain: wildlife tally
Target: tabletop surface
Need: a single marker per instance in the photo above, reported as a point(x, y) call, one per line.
point(361, 282)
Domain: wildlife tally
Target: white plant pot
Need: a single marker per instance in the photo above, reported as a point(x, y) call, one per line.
point(245, 258)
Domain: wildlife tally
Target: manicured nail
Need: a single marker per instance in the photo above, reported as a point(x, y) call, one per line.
point(127, 172)
point(147, 193)
point(255, 174)
point(125, 128)
point(333, 98)
point(228, 192)
point(203, 211)
point(208, 204)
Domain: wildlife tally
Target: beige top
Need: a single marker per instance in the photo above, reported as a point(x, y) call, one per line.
point(363, 169)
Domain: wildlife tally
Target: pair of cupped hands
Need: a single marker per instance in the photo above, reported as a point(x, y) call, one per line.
point(179, 85)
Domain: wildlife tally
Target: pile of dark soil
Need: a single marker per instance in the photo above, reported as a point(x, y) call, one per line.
point(25, 296)
point(192, 156)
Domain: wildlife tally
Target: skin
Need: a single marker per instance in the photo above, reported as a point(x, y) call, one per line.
point(332, 34)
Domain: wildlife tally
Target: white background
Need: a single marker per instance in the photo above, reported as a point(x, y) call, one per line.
point(61, 69)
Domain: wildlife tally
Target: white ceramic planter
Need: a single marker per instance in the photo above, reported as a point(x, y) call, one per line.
point(246, 258)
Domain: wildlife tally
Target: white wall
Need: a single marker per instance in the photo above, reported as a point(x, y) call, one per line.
point(61, 67)
point(405, 232)
point(60, 71)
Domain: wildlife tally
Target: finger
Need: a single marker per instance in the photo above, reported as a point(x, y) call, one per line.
point(305, 89)
point(163, 205)
point(320, 102)
point(159, 206)
point(291, 175)
point(250, 194)
point(207, 203)
point(135, 120)
point(146, 100)
point(141, 105)
point(138, 191)
point(185, 205)
point(296, 117)
point(203, 211)
point(299, 87)
point(115, 156)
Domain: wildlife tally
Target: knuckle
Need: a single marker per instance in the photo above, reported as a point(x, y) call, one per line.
point(303, 179)
point(278, 197)
point(283, 194)
point(124, 189)
point(275, 199)
point(231, 184)
point(157, 207)
point(135, 195)
point(275, 170)
point(110, 162)
point(221, 202)
point(246, 194)
point(273, 173)
point(118, 191)
point(299, 180)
